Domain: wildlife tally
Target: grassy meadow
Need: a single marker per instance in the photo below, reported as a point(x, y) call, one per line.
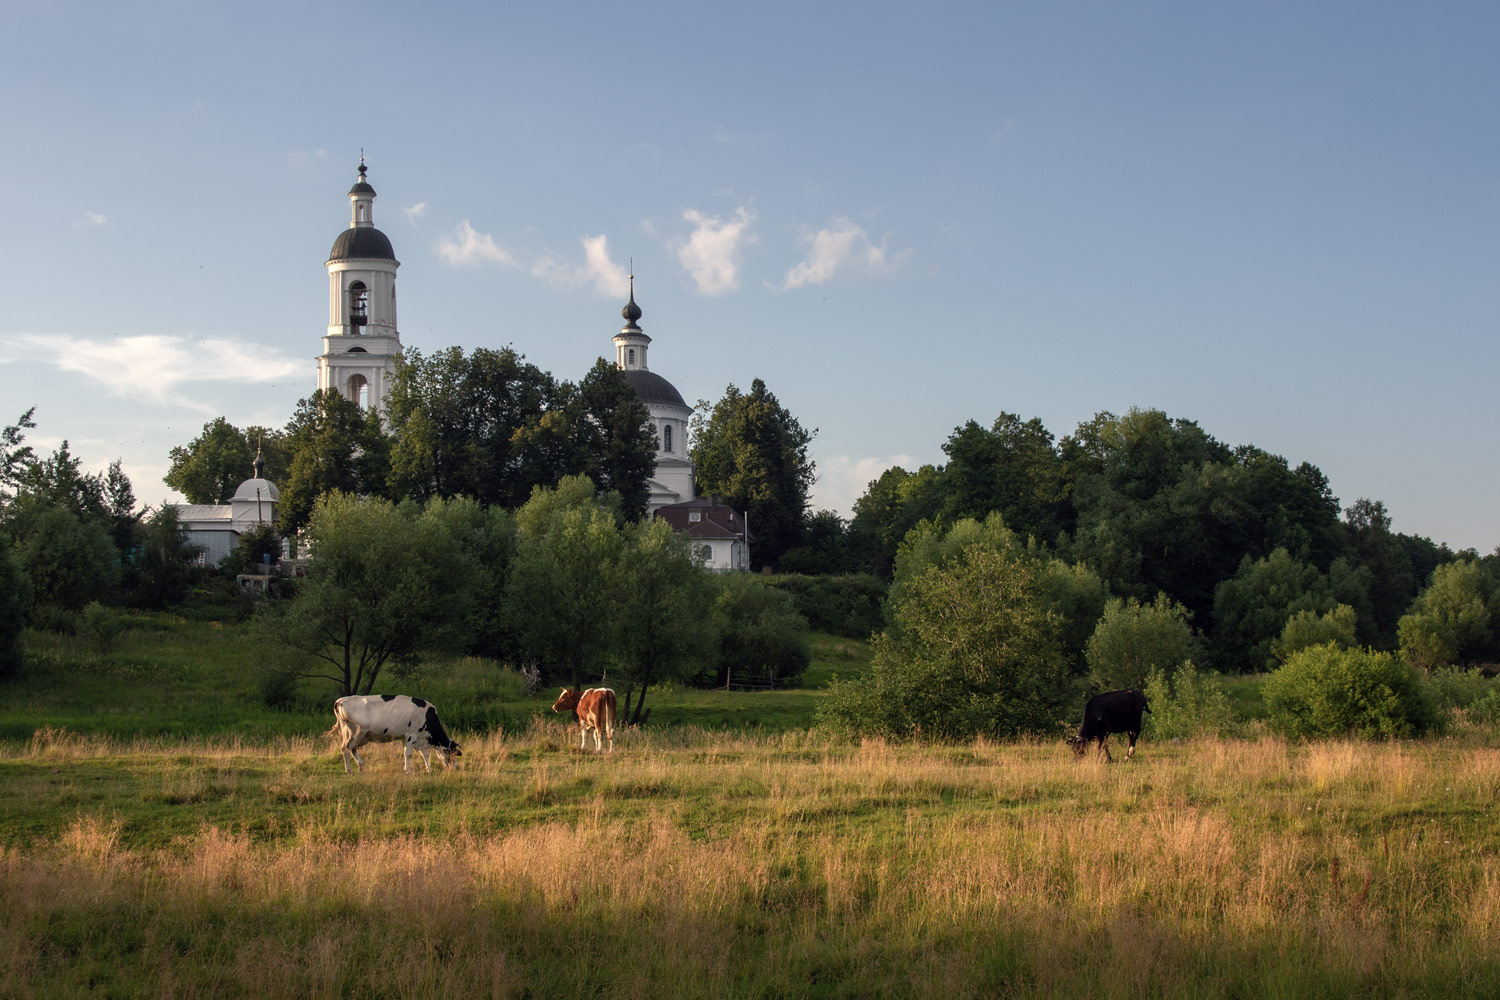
point(236, 859)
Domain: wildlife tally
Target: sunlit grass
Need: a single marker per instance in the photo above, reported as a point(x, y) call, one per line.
point(696, 862)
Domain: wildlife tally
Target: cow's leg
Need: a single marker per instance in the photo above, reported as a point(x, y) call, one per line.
point(583, 736)
point(426, 757)
point(405, 756)
point(352, 743)
point(1104, 745)
point(1131, 752)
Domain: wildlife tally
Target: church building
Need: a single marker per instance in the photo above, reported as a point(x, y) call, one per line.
point(362, 344)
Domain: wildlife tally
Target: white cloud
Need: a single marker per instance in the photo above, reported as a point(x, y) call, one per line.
point(843, 480)
point(302, 157)
point(468, 247)
point(92, 219)
point(415, 212)
point(843, 246)
point(598, 270)
point(151, 368)
point(712, 253)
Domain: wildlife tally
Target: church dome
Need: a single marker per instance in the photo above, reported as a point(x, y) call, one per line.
point(362, 242)
point(652, 388)
point(248, 491)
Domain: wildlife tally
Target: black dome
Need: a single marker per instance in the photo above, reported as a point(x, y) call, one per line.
point(362, 242)
point(652, 388)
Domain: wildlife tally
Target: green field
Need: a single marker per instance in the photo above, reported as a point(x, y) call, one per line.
point(142, 857)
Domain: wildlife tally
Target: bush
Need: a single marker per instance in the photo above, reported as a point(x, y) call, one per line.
point(1325, 691)
point(100, 626)
point(973, 649)
point(53, 618)
point(1133, 639)
point(1452, 687)
point(1186, 706)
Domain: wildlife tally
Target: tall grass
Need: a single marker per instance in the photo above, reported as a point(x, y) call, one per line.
point(704, 864)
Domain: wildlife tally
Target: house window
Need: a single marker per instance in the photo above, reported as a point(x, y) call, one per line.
point(666, 438)
point(705, 553)
point(359, 304)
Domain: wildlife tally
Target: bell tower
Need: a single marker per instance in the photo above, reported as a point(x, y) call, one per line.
point(362, 342)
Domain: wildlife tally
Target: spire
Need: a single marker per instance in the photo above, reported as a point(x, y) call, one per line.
point(259, 465)
point(631, 312)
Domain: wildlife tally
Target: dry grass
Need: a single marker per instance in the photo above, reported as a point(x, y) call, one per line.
point(719, 866)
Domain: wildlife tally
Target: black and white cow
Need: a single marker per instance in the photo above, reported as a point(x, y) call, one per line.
point(1111, 712)
point(386, 718)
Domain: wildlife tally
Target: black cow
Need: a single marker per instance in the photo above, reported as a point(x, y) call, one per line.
point(1111, 712)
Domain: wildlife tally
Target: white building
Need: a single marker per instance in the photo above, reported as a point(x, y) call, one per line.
point(362, 343)
point(217, 527)
point(672, 480)
point(719, 535)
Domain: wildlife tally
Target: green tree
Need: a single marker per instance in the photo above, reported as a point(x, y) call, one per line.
point(208, 469)
point(162, 569)
point(1308, 628)
point(609, 438)
point(760, 632)
point(15, 601)
point(1013, 468)
point(752, 453)
point(15, 456)
point(385, 584)
point(562, 587)
point(892, 506)
point(333, 446)
point(1252, 608)
point(976, 652)
point(1392, 581)
point(69, 560)
point(1327, 692)
point(1133, 639)
point(489, 535)
point(473, 425)
point(663, 596)
point(1453, 621)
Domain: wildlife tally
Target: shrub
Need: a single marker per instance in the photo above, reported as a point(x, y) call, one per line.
point(1325, 691)
point(1452, 687)
point(100, 626)
point(53, 618)
point(760, 631)
point(973, 650)
point(1188, 705)
point(1133, 639)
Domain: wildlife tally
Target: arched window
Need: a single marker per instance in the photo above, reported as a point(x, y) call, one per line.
point(359, 304)
point(359, 391)
point(630, 356)
point(666, 438)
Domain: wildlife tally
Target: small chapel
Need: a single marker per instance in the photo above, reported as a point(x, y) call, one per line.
point(362, 344)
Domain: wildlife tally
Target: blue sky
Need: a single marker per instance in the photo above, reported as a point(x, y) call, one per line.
point(1278, 219)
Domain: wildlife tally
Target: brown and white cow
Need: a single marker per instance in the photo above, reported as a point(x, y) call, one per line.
point(386, 718)
point(595, 709)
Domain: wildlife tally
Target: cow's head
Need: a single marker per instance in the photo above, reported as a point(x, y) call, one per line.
point(449, 752)
point(1077, 743)
point(567, 701)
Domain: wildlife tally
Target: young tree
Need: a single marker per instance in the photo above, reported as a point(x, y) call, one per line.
point(385, 584)
point(1252, 608)
point(562, 590)
point(163, 569)
point(15, 456)
point(760, 632)
point(1308, 628)
point(1133, 639)
point(1454, 620)
point(752, 452)
point(664, 596)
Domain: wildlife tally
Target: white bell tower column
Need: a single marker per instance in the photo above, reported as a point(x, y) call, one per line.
point(362, 342)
